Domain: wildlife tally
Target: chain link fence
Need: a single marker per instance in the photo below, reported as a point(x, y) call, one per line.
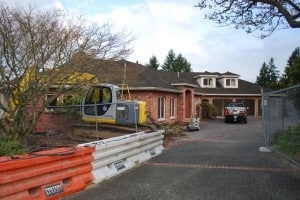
point(280, 111)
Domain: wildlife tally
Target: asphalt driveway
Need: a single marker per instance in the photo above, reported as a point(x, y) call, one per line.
point(221, 161)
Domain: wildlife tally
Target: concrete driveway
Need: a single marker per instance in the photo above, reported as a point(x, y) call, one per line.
point(221, 161)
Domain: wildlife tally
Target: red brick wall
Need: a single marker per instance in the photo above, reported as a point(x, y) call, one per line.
point(151, 99)
point(59, 122)
point(181, 100)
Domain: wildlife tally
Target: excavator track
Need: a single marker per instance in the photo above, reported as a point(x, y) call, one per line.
point(89, 132)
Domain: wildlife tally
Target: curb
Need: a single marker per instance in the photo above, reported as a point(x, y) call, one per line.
point(287, 158)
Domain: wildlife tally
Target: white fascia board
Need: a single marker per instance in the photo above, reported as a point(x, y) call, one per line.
point(184, 84)
point(231, 94)
point(207, 76)
point(155, 88)
point(229, 76)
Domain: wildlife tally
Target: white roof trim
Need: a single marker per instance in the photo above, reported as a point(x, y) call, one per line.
point(229, 76)
point(155, 88)
point(207, 75)
point(211, 94)
point(184, 84)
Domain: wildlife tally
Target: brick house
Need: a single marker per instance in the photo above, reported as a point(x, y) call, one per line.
point(175, 96)
point(170, 96)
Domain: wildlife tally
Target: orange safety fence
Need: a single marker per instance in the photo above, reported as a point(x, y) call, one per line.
point(49, 174)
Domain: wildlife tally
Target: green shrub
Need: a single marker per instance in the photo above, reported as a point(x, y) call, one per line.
point(70, 106)
point(209, 111)
point(10, 148)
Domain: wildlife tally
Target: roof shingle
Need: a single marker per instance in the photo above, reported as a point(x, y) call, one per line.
point(139, 76)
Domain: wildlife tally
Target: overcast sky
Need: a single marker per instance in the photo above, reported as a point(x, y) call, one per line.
point(161, 25)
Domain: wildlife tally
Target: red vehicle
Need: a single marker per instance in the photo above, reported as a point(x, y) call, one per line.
point(235, 112)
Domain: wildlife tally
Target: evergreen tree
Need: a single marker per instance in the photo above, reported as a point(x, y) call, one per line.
point(273, 72)
point(262, 79)
point(292, 70)
point(181, 64)
point(153, 62)
point(169, 61)
point(268, 75)
point(175, 63)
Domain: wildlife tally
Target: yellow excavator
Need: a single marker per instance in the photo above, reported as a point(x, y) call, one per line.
point(102, 103)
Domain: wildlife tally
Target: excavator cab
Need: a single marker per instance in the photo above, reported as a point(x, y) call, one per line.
point(102, 104)
point(98, 100)
point(99, 104)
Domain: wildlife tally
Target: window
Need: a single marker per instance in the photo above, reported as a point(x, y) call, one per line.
point(51, 100)
point(208, 82)
point(231, 82)
point(67, 99)
point(227, 82)
point(161, 107)
point(172, 107)
point(101, 97)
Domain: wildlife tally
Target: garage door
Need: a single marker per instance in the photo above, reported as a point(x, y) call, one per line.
point(250, 103)
point(220, 104)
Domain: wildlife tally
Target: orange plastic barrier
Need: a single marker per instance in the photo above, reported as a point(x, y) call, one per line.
point(49, 174)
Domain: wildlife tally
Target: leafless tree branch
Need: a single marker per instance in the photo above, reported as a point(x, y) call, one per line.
point(265, 16)
point(39, 49)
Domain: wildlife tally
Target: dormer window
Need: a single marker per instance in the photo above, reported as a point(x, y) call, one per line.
point(231, 83)
point(210, 80)
point(207, 82)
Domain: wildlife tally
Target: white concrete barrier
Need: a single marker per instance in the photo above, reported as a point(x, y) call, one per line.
point(116, 155)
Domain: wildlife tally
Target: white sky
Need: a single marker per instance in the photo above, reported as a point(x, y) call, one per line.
point(161, 25)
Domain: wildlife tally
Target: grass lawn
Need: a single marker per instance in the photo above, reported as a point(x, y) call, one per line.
point(288, 142)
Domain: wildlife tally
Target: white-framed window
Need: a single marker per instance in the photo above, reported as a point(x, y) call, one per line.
point(172, 107)
point(231, 83)
point(67, 98)
point(161, 108)
point(207, 82)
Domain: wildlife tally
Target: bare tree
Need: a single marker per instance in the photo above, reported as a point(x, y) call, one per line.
point(42, 49)
point(263, 15)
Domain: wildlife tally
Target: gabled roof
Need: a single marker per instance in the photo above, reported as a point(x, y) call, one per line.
point(229, 75)
point(139, 77)
point(207, 74)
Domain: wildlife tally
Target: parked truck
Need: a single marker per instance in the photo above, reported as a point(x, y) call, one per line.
point(235, 112)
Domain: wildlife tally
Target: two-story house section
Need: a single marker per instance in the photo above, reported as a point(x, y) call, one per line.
point(221, 88)
point(207, 79)
point(215, 79)
point(173, 97)
point(229, 80)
